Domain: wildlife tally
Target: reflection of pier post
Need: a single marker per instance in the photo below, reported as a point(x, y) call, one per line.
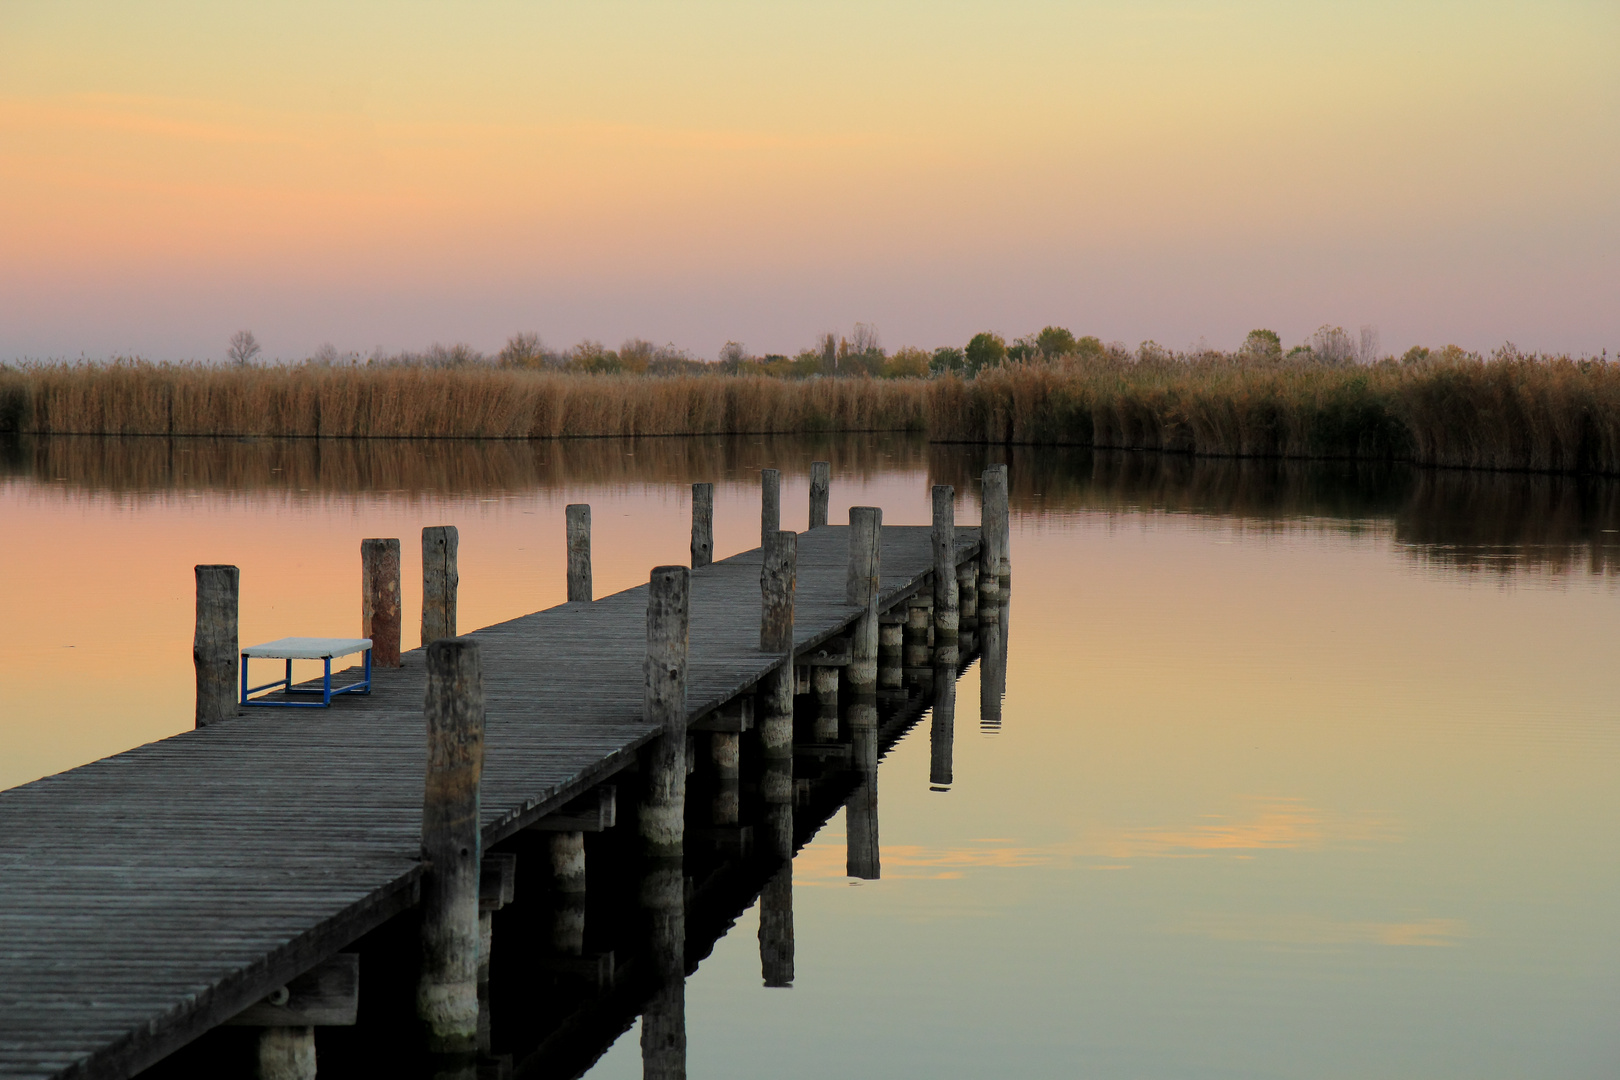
point(992, 674)
point(942, 733)
point(776, 928)
point(860, 811)
point(663, 1024)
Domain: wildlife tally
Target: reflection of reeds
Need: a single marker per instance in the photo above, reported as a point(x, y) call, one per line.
point(415, 467)
point(1475, 520)
point(1510, 412)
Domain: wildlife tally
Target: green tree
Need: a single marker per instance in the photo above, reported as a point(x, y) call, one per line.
point(1055, 341)
point(984, 351)
point(1262, 344)
point(945, 360)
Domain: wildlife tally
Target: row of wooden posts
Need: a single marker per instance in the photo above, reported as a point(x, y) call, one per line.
point(455, 933)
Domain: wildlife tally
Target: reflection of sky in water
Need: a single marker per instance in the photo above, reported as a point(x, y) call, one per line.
point(1270, 797)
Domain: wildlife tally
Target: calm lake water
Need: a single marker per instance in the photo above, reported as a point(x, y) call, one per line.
point(1301, 770)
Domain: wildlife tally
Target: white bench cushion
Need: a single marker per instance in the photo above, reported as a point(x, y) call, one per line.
point(308, 648)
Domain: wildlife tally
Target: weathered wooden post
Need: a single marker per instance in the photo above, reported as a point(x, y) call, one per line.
point(778, 580)
point(770, 505)
point(967, 595)
point(820, 491)
point(568, 885)
point(725, 751)
point(447, 995)
point(702, 525)
point(579, 552)
point(865, 559)
point(942, 729)
point(1003, 518)
point(286, 1053)
point(439, 582)
point(663, 806)
point(776, 928)
point(824, 682)
point(919, 624)
point(891, 649)
point(947, 614)
point(379, 600)
point(989, 557)
point(215, 650)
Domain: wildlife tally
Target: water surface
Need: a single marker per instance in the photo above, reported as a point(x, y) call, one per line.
point(1301, 771)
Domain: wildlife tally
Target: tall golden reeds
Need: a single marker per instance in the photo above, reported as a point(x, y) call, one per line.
point(1508, 412)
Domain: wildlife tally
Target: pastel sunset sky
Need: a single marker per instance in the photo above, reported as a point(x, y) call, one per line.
point(376, 175)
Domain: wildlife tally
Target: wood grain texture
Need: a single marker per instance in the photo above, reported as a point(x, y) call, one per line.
point(150, 896)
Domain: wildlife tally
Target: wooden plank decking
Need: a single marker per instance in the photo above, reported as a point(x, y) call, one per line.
point(148, 897)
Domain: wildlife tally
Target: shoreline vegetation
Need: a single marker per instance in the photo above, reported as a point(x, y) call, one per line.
point(1328, 399)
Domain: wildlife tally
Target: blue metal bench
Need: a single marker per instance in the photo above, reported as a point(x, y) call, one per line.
point(306, 648)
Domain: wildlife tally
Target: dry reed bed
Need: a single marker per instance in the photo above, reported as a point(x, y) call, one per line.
point(1510, 412)
point(313, 400)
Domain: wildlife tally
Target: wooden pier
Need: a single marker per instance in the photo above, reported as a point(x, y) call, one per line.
point(152, 896)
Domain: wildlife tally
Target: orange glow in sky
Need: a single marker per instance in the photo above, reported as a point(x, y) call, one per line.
point(388, 175)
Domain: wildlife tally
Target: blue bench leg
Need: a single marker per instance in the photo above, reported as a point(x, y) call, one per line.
point(326, 684)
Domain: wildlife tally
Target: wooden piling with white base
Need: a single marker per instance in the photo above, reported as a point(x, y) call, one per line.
point(663, 800)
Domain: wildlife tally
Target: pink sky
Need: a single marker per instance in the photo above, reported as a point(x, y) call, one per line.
point(389, 176)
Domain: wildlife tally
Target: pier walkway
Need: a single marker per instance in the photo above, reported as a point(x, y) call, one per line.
point(148, 897)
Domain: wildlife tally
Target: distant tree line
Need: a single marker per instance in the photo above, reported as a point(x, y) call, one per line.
point(860, 354)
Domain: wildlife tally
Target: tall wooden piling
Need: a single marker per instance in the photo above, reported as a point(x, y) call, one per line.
point(579, 552)
point(778, 583)
point(820, 492)
point(947, 614)
point(865, 561)
point(440, 580)
point(663, 809)
point(989, 554)
point(215, 650)
point(967, 595)
point(663, 805)
point(379, 600)
point(824, 682)
point(702, 525)
point(725, 753)
point(447, 994)
point(1003, 523)
point(770, 504)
